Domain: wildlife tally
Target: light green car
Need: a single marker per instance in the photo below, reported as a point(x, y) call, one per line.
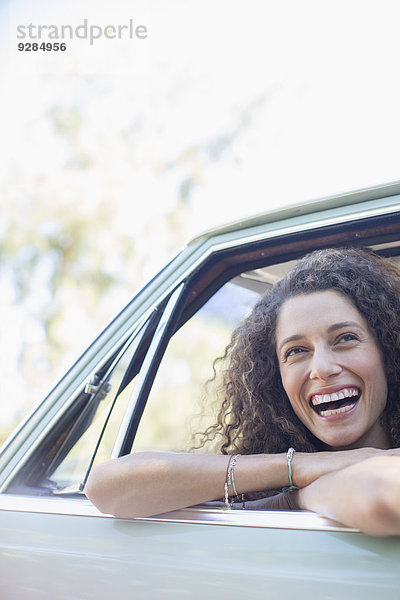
point(140, 385)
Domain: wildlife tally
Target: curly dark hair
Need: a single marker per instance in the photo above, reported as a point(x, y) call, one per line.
point(256, 415)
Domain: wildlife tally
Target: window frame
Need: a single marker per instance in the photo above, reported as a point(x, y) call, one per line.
point(199, 286)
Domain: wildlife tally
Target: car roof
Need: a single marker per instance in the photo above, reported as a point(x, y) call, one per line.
point(302, 208)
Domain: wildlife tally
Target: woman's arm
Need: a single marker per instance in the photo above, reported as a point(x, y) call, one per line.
point(365, 495)
point(148, 483)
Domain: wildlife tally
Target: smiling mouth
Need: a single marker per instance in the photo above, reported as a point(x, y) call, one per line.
point(341, 401)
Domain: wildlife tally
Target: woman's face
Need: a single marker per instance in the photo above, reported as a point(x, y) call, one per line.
point(332, 369)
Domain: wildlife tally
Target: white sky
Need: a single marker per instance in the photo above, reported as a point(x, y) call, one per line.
point(332, 122)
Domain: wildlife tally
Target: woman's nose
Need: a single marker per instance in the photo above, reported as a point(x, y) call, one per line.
point(324, 364)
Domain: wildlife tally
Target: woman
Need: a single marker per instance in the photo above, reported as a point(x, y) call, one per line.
point(310, 404)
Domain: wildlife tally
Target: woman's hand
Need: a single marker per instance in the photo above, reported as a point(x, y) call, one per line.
point(307, 467)
point(365, 495)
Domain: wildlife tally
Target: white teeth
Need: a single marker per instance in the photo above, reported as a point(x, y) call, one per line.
point(327, 413)
point(340, 395)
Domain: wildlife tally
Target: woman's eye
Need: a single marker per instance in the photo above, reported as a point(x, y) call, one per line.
point(293, 351)
point(348, 337)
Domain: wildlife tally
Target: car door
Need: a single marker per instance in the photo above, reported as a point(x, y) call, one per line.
point(146, 383)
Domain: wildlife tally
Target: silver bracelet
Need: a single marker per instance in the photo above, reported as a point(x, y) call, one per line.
point(230, 480)
point(291, 487)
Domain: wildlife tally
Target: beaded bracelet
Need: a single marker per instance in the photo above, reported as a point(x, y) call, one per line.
point(291, 487)
point(230, 480)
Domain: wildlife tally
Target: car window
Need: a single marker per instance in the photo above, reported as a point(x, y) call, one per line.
point(108, 411)
point(88, 436)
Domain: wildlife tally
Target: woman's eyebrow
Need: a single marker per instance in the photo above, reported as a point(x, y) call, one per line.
point(342, 324)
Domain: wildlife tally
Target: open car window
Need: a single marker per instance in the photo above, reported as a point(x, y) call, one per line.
point(183, 400)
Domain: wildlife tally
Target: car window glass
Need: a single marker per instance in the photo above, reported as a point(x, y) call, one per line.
point(105, 411)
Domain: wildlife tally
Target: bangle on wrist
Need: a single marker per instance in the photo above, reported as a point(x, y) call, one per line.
point(291, 487)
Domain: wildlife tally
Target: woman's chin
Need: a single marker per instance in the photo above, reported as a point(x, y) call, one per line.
point(351, 438)
point(340, 441)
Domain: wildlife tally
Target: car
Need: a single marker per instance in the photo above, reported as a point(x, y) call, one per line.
point(141, 385)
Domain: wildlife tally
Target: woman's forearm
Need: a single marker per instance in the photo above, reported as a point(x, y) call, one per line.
point(148, 483)
point(365, 495)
